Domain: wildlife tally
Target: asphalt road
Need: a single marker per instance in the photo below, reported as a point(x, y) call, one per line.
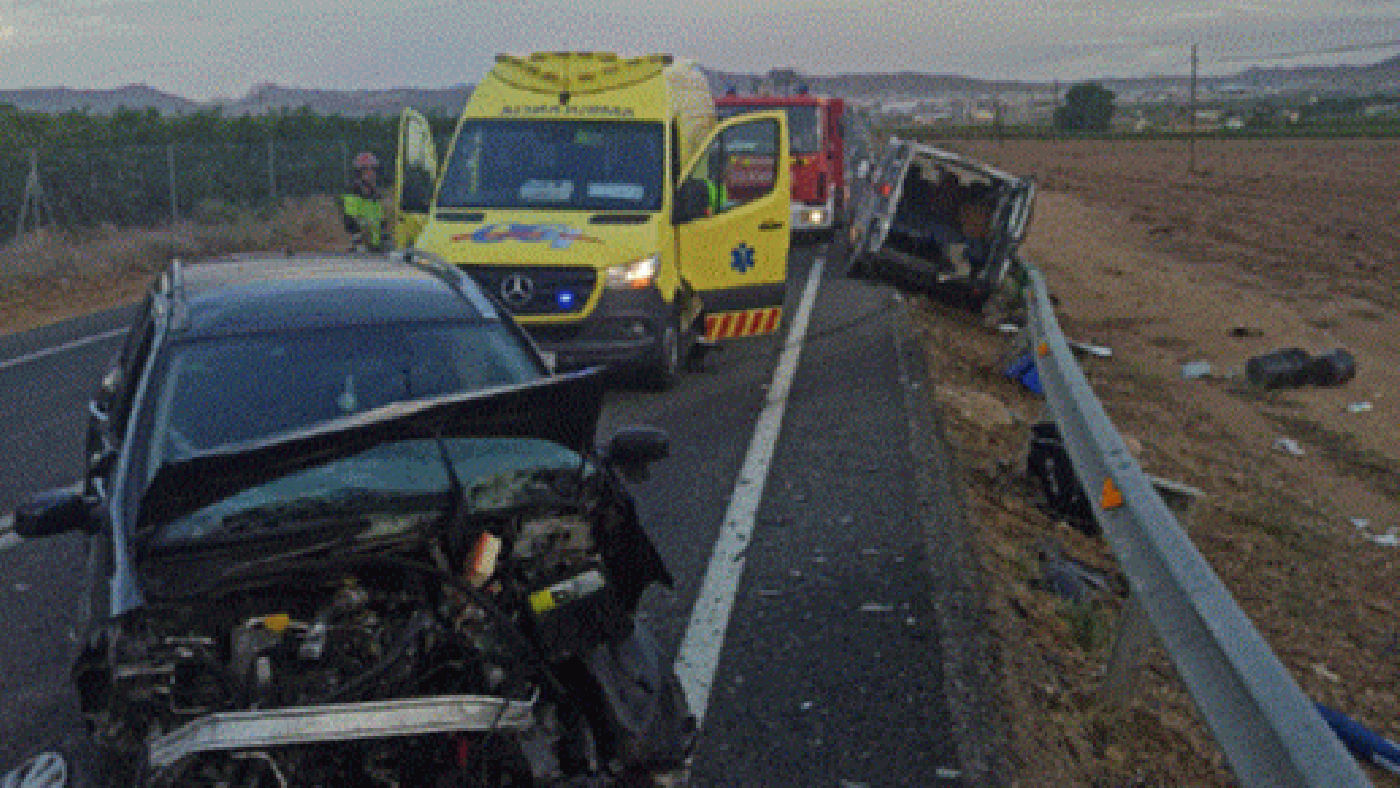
point(833, 666)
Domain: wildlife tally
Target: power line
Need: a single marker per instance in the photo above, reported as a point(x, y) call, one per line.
point(1312, 52)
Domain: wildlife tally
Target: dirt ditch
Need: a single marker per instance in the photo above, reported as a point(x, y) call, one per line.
point(1267, 246)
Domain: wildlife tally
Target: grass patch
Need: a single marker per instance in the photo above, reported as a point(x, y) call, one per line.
point(1171, 343)
point(1283, 518)
point(1372, 315)
point(1089, 624)
point(301, 225)
point(1367, 465)
point(1274, 398)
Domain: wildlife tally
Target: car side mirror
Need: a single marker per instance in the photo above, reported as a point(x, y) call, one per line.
point(632, 450)
point(692, 201)
point(54, 512)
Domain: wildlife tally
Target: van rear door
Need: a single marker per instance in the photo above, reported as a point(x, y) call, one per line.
point(732, 219)
point(415, 178)
point(1011, 222)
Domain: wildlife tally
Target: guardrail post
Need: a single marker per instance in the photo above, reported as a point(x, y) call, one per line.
point(1130, 646)
point(1135, 635)
point(271, 171)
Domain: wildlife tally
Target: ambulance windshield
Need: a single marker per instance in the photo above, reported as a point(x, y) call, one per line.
point(565, 165)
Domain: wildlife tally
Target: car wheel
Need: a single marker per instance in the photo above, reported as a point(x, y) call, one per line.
point(665, 367)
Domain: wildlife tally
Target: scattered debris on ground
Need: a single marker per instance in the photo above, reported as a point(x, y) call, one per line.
point(1306, 544)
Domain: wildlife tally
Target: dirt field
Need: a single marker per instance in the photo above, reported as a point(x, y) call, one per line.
point(1293, 243)
point(48, 276)
point(1267, 246)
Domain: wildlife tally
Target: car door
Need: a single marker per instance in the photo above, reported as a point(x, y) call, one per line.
point(733, 254)
point(877, 214)
point(1011, 222)
point(415, 178)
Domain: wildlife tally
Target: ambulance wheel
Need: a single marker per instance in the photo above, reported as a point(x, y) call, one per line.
point(665, 366)
point(695, 346)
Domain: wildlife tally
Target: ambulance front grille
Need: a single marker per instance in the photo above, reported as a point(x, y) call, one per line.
point(537, 290)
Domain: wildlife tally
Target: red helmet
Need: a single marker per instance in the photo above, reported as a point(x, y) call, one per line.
point(366, 160)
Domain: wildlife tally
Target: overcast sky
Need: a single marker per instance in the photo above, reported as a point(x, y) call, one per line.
point(221, 48)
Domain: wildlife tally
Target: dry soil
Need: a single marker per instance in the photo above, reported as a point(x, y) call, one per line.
point(1266, 245)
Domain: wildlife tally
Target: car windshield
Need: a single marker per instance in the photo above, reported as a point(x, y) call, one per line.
point(804, 124)
point(570, 165)
point(387, 490)
point(226, 390)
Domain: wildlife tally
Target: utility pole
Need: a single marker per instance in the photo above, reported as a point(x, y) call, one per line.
point(271, 171)
point(174, 195)
point(34, 199)
point(997, 119)
point(1191, 133)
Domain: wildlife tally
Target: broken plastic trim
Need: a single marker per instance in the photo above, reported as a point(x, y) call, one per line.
point(241, 730)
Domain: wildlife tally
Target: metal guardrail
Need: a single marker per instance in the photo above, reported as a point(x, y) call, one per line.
point(1271, 733)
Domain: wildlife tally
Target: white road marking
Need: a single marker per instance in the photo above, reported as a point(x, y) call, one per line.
point(8, 538)
point(704, 635)
point(66, 346)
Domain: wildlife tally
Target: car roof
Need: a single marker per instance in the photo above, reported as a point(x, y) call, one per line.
point(270, 292)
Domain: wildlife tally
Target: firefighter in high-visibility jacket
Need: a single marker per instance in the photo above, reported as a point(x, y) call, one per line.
point(361, 208)
point(716, 198)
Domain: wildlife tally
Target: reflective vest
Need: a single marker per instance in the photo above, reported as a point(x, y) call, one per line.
point(717, 196)
point(368, 216)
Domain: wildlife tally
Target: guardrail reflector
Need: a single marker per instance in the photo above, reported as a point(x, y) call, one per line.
point(1111, 498)
point(1043, 349)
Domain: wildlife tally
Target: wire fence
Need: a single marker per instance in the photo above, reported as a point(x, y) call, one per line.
point(147, 185)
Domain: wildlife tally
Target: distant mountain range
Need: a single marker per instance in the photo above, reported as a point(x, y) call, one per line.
point(1378, 77)
point(261, 99)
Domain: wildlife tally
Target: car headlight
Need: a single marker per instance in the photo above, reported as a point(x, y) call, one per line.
point(638, 273)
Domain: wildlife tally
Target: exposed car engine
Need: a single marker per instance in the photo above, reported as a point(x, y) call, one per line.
point(509, 614)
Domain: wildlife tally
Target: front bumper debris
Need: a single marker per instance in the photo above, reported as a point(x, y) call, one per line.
point(300, 725)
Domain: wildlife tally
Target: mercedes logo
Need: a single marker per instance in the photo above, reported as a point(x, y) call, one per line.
point(516, 290)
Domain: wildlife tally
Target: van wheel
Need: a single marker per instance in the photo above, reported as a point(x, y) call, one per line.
point(665, 367)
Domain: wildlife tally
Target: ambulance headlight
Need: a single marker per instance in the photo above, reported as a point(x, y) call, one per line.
point(638, 273)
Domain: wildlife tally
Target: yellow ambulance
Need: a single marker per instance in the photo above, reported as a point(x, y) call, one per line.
point(603, 202)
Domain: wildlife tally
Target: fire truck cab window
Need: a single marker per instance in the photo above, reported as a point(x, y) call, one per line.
point(804, 129)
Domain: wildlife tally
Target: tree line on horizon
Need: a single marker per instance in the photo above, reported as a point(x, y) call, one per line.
point(82, 128)
point(140, 167)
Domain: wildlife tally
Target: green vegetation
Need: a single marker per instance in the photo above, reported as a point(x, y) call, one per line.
point(126, 168)
point(1089, 625)
point(1088, 107)
point(80, 128)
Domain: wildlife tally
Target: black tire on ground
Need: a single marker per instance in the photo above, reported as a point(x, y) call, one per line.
point(697, 349)
point(663, 369)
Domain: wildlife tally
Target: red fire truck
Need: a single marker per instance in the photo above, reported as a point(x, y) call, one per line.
point(818, 159)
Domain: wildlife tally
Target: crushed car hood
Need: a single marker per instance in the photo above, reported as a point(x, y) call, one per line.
point(563, 409)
